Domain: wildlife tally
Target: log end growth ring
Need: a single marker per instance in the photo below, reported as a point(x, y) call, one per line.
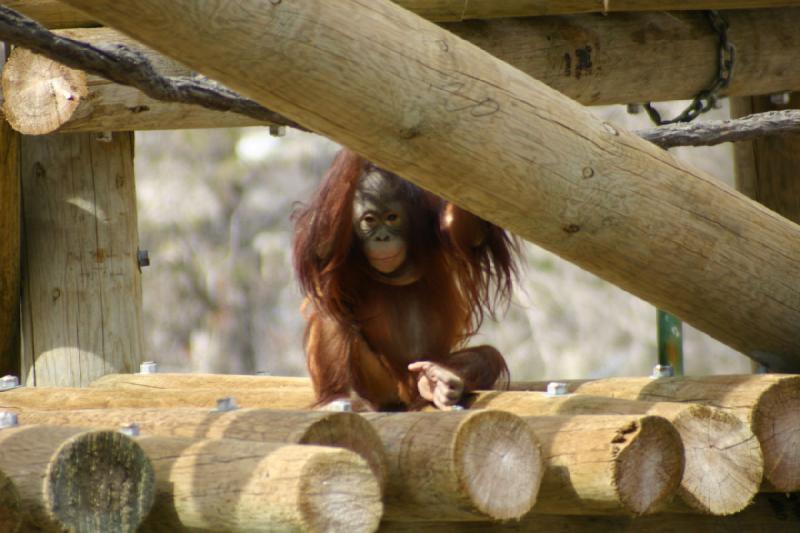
point(100, 481)
point(352, 432)
point(499, 462)
point(724, 463)
point(339, 492)
point(777, 425)
point(40, 95)
point(648, 463)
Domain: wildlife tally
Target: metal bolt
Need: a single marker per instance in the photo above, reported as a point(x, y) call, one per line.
point(131, 430)
point(340, 405)
point(143, 258)
point(587, 172)
point(8, 419)
point(148, 367)
point(663, 371)
point(277, 131)
point(556, 388)
point(456, 407)
point(103, 136)
point(9, 382)
point(634, 109)
point(228, 403)
point(780, 98)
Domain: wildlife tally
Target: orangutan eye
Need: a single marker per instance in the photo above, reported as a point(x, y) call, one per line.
point(392, 218)
point(370, 220)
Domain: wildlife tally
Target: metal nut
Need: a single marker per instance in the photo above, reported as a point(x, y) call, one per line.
point(556, 388)
point(148, 367)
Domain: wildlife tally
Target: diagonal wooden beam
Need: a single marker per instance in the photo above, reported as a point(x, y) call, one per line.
point(449, 116)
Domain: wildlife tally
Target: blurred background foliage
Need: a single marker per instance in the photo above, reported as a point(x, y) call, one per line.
point(220, 295)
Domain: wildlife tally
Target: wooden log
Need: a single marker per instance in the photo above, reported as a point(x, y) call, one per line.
point(82, 299)
point(43, 96)
point(595, 60)
point(54, 14)
point(11, 230)
point(474, 130)
point(63, 398)
point(723, 461)
point(771, 513)
point(10, 505)
point(607, 464)
point(75, 480)
point(239, 486)
point(766, 169)
point(223, 382)
point(769, 403)
point(458, 465)
point(340, 430)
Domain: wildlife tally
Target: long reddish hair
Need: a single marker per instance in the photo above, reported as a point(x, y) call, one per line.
point(326, 261)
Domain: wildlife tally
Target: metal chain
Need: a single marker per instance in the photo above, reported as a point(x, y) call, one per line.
point(706, 98)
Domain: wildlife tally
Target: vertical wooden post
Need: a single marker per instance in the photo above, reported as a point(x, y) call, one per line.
point(9, 250)
point(768, 169)
point(82, 292)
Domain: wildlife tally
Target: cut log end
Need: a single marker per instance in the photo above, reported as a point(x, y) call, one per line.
point(724, 464)
point(40, 94)
point(499, 462)
point(648, 463)
point(100, 481)
point(352, 432)
point(10, 510)
point(777, 425)
point(339, 492)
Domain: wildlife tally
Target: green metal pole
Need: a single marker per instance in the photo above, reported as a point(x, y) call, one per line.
point(670, 341)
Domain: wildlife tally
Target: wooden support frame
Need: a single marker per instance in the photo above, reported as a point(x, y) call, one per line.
point(624, 58)
point(463, 124)
point(55, 14)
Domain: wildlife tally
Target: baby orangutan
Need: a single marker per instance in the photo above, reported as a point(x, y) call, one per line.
point(396, 280)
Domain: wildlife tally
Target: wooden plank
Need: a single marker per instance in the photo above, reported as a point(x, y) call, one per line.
point(10, 232)
point(472, 129)
point(54, 14)
point(82, 295)
point(229, 383)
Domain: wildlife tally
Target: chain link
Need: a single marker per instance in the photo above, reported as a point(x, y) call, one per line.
point(706, 98)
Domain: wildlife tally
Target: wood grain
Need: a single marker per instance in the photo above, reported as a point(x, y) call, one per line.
point(82, 296)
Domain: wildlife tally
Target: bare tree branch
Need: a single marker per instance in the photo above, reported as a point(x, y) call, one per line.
point(127, 66)
point(711, 132)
